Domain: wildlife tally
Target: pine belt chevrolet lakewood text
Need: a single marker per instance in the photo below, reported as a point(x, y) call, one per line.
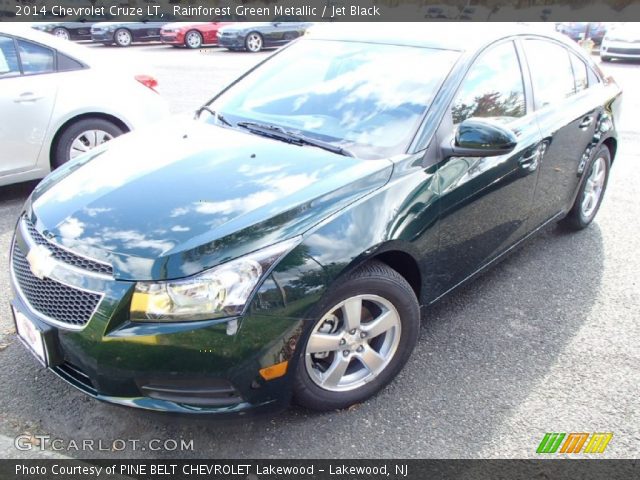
point(279, 245)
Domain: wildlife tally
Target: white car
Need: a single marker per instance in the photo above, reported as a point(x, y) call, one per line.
point(57, 102)
point(621, 42)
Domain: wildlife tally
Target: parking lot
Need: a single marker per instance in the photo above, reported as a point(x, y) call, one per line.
point(545, 342)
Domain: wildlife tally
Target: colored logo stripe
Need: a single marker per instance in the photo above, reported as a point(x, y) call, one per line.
point(598, 442)
point(550, 443)
point(574, 443)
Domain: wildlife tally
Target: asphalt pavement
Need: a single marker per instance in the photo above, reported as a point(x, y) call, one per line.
point(547, 341)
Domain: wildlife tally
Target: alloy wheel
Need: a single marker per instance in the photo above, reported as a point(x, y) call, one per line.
point(353, 343)
point(254, 42)
point(123, 38)
point(62, 33)
point(87, 140)
point(594, 187)
point(193, 39)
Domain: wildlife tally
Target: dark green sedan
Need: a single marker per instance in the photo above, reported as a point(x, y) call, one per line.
point(281, 244)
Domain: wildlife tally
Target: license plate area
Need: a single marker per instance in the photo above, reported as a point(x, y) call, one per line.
point(31, 336)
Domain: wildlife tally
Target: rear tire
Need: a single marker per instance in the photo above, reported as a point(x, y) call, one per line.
point(591, 191)
point(81, 136)
point(370, 320)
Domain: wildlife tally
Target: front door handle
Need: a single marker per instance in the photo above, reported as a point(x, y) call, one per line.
point(586, 122)
point(27, 97)
point(531, 161)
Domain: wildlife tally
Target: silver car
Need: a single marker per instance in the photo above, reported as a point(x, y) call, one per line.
point(621, 42)
point(57, 102)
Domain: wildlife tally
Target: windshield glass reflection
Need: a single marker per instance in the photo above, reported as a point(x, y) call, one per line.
point(365, 97)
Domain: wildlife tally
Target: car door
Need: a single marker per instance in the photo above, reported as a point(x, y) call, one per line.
point(567, 114)
point(485, 201)
point(148, 30)
point(28, 91)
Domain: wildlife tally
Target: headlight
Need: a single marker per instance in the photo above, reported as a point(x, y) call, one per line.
point(222, 291)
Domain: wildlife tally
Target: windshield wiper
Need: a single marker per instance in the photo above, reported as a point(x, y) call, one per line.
point(293, 137)
point(216, 115)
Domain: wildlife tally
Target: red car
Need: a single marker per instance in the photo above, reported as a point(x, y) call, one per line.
point(191, 35)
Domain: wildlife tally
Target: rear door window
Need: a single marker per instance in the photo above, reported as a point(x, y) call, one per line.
point(579, 73)
point(35, 58)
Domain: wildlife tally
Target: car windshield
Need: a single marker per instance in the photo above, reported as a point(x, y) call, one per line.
point(367, 98)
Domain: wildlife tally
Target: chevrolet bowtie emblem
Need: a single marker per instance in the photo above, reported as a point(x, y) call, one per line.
point(40, 261)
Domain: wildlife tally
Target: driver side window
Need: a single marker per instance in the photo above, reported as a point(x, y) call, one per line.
point(493, 87)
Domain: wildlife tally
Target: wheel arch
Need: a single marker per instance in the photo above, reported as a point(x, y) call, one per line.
point(612, 144)
point(396, 255)
point(83, 116)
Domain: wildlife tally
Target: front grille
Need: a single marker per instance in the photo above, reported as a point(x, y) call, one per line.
point(53, 299)
point(64, 255)
point(625, 51)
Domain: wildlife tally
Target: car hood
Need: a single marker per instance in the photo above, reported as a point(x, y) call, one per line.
point(169, 201)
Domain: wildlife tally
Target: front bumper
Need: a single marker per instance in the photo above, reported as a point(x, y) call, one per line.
point(620, 50)
point(172, 38)
point(191, 367)
point(230, 41)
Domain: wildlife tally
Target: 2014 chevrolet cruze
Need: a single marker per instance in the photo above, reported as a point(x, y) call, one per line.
point(280, 245)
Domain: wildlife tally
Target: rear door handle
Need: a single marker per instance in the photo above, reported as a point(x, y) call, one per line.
point(28, 97)
point(586, 122)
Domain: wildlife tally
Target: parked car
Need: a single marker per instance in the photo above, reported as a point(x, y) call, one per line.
point(68, 30)
point(125, 33)
point(191, 34)
point(253, 37)
point(578, 30)
point(306, 214)
point(623, 42)
point(56, 101)
point(441, 12)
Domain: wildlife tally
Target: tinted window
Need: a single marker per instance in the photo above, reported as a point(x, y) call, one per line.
point(9, 66)
point(551, 72)
point(67, 64)
point(35, 58)
point(579, 73)
point(493, 87)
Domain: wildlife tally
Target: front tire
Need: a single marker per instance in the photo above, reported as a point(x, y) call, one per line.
point(253, 43)
point(366, 328)
point(591, 191)
point(61, 32)
point(193, 39)
point(82, 136)
point(122, 37)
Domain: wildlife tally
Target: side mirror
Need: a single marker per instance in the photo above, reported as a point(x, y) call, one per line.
point(480, 138)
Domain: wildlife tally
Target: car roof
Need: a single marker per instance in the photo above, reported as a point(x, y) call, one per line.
point(461, 37)
point(24, 30)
